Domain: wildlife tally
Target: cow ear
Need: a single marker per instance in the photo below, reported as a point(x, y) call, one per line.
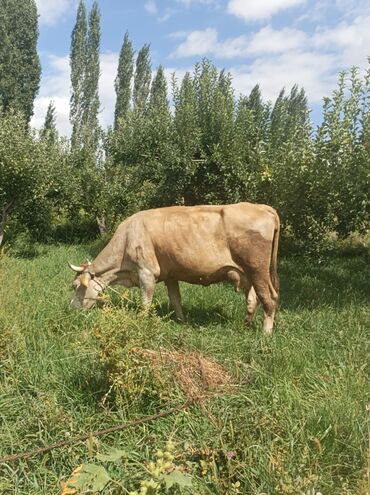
point(90, 270)
point(85, 279)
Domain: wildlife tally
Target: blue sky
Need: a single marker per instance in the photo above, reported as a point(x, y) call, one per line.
point(275, 43)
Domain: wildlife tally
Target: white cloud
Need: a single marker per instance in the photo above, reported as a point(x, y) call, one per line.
point(51, 11)
point(166, 15)
point(197, 43)
point(202, 2)
point(312, 71)
point(269, 40)
point(108, 69)
point(254, 10)
point(352, 7)
point(151, 7)
point(350, 40)
point(265, 41)
point(56, 87)
point(178, 34)
point(62, 113)
point(232, 47)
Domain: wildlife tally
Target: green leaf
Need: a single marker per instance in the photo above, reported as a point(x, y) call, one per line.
point(92, 477)
point(177, 478)
point(112, 455)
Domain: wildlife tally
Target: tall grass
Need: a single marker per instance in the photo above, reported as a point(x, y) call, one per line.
point(296, 423)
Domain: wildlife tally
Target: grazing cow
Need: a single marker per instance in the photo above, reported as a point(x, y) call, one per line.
point(195, 244)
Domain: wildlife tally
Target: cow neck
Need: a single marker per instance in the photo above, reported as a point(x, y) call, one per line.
point(107, 264)
point(105, 275)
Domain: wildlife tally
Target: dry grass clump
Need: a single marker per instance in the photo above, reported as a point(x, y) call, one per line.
point(197, 375)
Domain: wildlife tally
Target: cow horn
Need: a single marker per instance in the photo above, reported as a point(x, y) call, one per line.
point(78, 269)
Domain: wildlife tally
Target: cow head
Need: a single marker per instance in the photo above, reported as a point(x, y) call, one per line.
point(87, 287)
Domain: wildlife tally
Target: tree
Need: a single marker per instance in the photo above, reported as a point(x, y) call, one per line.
point(24, 173)
point(342, 156)
point(142, 78)
point(78, 68)
point(123, 80)
point(158, 92)
point(187, 136)
point(215, 104)
point(49, 130)
point(19, 62)
point(90, 100)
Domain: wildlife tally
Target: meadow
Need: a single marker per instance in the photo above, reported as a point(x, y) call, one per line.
point(294, 421)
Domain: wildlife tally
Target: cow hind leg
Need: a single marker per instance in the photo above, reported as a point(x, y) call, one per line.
point(268, 298)
point(175, 298)
point(147, 286)
point(252, 303)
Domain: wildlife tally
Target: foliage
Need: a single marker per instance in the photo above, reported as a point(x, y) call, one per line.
point(142, 79)
point(77, 63)
point(163, 472)
point(203, 146)
point(91, 103)
point(213, 149)
point(19, 62)
point(86, 153)
point(123, 80)
point(49, 129)
point(29, 170)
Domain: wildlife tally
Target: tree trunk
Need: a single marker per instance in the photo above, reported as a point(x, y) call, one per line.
point(101, 224)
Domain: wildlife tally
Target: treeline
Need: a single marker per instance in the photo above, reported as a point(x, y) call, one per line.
point(194, 142)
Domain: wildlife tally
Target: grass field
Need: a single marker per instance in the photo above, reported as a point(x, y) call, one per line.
point(294, 424)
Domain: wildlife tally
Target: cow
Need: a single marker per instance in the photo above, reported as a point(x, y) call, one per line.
point(196, 244)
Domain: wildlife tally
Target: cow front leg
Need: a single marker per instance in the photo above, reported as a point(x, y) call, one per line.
point(147, 286)
point(175, 298)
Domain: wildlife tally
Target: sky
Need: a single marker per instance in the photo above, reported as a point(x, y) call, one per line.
point(275, 43)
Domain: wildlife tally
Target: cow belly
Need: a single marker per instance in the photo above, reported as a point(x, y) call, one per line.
point(224, 273)
point(196, 269)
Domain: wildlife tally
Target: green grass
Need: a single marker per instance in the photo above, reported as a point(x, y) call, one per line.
point(296, 424)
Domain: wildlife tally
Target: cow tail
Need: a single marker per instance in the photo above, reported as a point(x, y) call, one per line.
point(273, 265)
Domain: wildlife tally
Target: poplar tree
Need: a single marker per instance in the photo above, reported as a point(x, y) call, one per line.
point(91, 103)
point(187, 136)
point(123, 80)
point(19, 62)
point(158, 92)
point(49, 129)
point(142, 78)
point(156, 148)
point(78, 68)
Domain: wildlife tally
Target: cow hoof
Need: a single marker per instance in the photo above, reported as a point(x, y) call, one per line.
point(267, 332)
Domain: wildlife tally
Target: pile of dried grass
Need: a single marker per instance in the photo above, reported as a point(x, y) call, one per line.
point(197, 375)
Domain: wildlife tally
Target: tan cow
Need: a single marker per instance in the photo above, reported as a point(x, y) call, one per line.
point(195, 244)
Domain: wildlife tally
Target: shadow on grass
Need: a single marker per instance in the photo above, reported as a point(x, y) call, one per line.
point(336, 282)
point(195, 316)
point(91, 385)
